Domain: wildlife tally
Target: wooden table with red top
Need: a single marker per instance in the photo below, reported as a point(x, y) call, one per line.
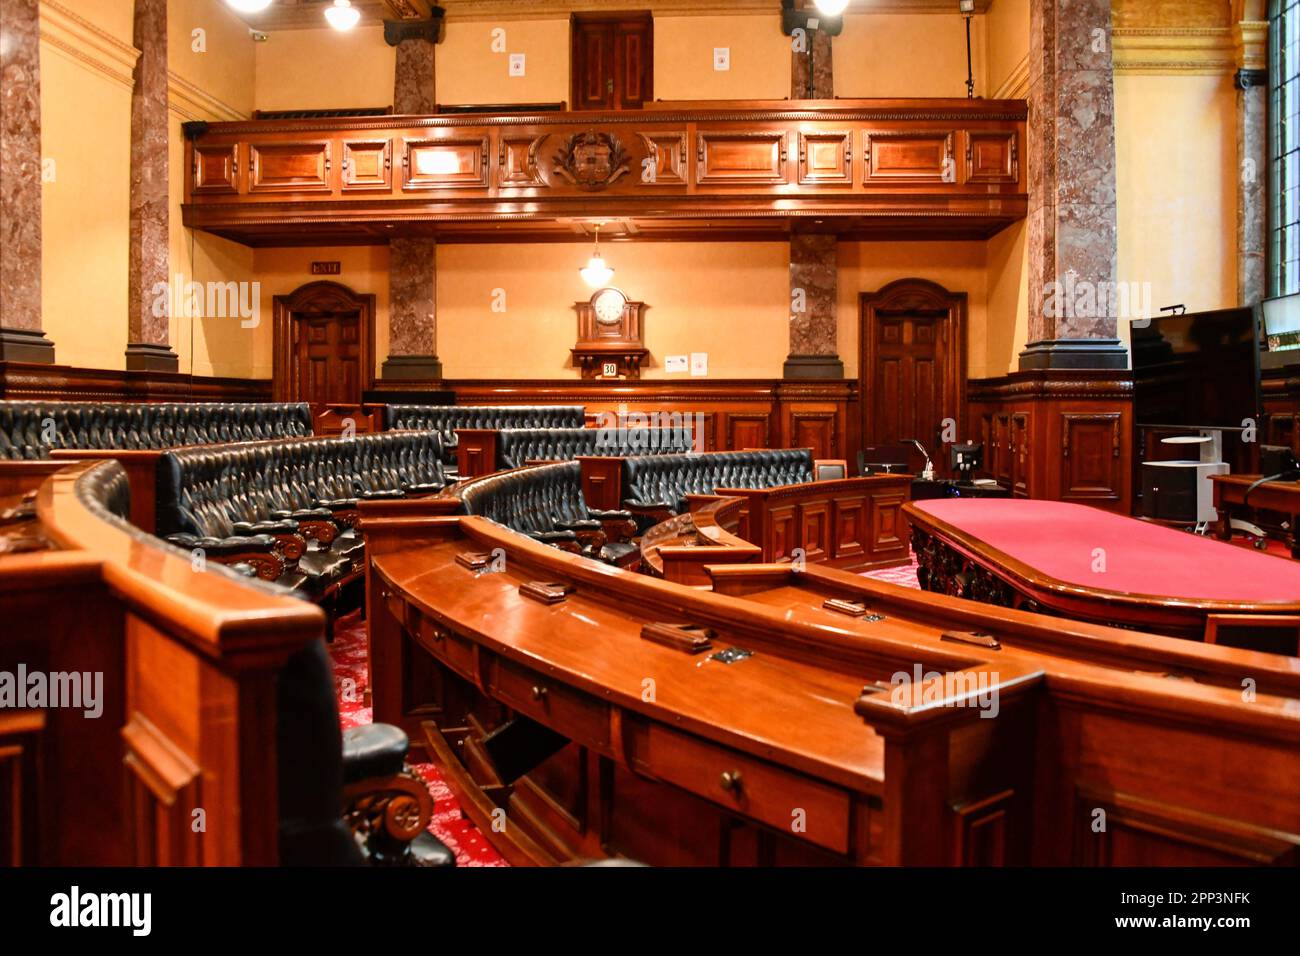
point(1282, 497)
point(1092, 565)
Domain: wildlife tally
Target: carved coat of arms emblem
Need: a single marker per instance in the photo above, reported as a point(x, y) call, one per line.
point(591, 160)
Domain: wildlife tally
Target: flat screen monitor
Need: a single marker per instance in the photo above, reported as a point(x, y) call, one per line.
point(1200, 369)
point(1282, 323)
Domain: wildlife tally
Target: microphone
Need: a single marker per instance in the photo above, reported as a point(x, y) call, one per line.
point(928, 473)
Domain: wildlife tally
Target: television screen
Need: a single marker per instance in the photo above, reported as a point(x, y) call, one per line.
point(1282, 323)
point(1197, 369)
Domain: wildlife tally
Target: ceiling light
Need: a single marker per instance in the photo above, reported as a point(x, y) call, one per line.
point(832, 8)
point(249, 6)
point(342, 16)
point(596, 273)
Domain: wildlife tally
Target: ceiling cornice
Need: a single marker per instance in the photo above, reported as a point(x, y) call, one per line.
point(308, 14)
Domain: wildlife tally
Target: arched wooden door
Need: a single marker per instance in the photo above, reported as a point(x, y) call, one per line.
point(324, 345)
point(913, 364)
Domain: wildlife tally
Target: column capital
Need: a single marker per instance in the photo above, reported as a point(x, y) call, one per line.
point(401, 31)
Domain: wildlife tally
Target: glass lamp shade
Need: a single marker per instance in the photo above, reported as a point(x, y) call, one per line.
point(342, 16)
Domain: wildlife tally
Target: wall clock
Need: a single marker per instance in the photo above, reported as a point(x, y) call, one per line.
point(611, 340)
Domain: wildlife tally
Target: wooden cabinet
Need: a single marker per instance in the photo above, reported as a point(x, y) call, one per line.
point(290, 167)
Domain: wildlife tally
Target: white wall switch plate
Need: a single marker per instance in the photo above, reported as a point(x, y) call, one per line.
point(722, 58)
point(516, 64)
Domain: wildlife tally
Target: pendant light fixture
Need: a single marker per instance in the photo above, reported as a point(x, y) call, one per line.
point(248, 6)
point(342, 16)
point(831, 8)
point(596, 273)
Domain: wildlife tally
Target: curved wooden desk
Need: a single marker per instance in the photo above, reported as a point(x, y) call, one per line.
point(683, 547)
point(853, 734)
point(1090, 565)
point(189, 662)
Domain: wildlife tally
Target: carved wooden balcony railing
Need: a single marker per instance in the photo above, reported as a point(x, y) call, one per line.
point(860, 168)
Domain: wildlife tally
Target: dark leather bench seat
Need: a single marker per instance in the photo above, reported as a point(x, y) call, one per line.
point(445, 419)
point(30, 430)
point(663, 481)
point(288, 508)
point(546, 504)
point(518, 446)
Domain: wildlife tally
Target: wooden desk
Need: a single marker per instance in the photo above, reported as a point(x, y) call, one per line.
point(785, 756)
point(1091, 565)
point(1282, 497)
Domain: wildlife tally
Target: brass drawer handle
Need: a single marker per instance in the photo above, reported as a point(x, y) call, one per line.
point(731, 781)
point(539, 693)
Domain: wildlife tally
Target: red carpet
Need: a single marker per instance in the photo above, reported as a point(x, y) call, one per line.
point(351, 676)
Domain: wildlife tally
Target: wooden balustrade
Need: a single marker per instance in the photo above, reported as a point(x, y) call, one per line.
point(924, 167)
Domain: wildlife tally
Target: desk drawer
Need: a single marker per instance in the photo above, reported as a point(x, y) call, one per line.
point(577, 716)
point(453, 650)
point(746, 785)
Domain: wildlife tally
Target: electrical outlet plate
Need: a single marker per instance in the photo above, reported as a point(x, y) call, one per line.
point(516, 64)
point(722, 58)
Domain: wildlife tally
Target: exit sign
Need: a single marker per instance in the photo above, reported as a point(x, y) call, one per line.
point(326, 268)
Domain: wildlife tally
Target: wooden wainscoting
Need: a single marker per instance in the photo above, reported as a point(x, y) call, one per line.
point(736, 414)
point(21, 380)
point(1281, 393)
point(1058, 435)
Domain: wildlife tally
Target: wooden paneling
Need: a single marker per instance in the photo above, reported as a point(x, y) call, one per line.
point(733, 170)
point(905, 156)
point(444, 163)
point(826, 158)
point(1061, 435)
point(20, 380)
point(215, 170)
point(612, 61)
point(992, 157)
point(742, 159)
point(290, 167)
point(367, 165)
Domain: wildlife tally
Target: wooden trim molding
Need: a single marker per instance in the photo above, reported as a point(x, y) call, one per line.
point(21, 380)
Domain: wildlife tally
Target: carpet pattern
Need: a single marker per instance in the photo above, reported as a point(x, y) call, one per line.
point(351, 676)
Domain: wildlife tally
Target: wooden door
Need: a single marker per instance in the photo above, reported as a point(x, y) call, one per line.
point(913, 369)
point(328, 358)
point(324, 343)
point(613, 61)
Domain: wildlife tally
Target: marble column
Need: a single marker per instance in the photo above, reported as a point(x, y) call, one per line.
point(21, 337)
point(814, 351)
point(148, 346)
point(821, 85)
point(1251, 81)
point(412, 269)
point(1072, 212)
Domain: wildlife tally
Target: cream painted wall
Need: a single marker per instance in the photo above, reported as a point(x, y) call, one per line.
point(1007, 331)
point(870, 266)
point(469, 71)
point(85, 209)
point(1176, 160)
point(282, 271)
point(897, 55)
point(324, 69)
point(114, 17)
point(726, 299)
point(1006, 41)
point(220, 60)
point(759, 53)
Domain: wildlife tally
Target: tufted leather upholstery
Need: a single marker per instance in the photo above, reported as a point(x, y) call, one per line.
point(664, 481)
point(546, 504)
point(235, 499)
point(518, 446)
point(28, 430)
point(445, 419)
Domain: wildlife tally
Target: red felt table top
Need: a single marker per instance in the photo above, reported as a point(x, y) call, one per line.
point(1061, 541)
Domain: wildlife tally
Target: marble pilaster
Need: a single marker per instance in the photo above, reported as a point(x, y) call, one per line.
point(814, 270)
point(1251, 82)
point(148, 347)
point(823, 70)
point(412, 269)
point(1072, 210)
point(21, 338)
